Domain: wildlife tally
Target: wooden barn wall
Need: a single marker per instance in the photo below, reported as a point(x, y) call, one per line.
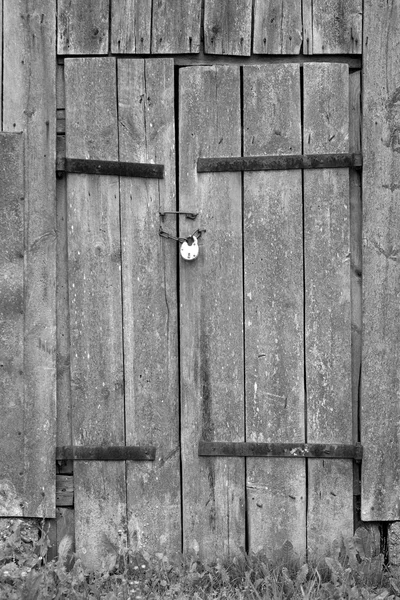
point(27, 283)
point(190, 32)
point(215, 27)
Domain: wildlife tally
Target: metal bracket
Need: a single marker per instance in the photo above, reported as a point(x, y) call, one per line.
point(109, 167)
point(189, 215)
point(105, 453)
point(279, 163)
point(281, 450)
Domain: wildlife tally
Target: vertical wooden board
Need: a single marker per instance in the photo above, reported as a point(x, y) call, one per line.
point(306, 9)
point(211, 313)
point(355, 245)
point(176, 27)
point(273, 289)
point(381, 283)
point(95, 302)
point(149, 272)
point(64, 414)
point(130, 26)
point(11, 323)
point(227, 27)
point(277, 27)
point(100, 510)
point(337, 26)
point(82, 27)
point(29, 66)
point(1, 62)
point(327, 303)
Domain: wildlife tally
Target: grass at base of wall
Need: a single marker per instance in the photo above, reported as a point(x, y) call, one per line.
point(351, 570)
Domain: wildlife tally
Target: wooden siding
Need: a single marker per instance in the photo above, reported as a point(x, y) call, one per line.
point(230, 28)
point(380, 391)
point(29, 66)
point(274, 326)
point(211, 297)
point(327, 303)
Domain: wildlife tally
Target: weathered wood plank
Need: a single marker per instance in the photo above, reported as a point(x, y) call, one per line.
point(211, 299)
point(12, 323)
point(95, 301)
point(381, 281)
point(355, 245)
point(130, 26)
point(227, 27)
point(29, 66)
point(337, 26)
point(307, 27)
point(100, 510)
point(64, 416)
point(176, 27)
point(147, 134)
point(327, 303)
point(277, 27)
point(82, 27)
point(64, 490)
point(1, 62)
point(273, 288)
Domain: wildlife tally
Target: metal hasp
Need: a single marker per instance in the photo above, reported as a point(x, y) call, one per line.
point(279, 163)
point(281, 450)
point(109, 167)
point(105, 453)
point(188, 215)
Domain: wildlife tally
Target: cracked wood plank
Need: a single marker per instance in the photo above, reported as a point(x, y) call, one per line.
point(131, 26)
point(82, 27)
point(380, 390)
point(95, 304)
point(29, 67)
point(211, 298)
point(227, 27)
point(327, 301)
point(273, 284)
point(277, 27)
point(149, 273)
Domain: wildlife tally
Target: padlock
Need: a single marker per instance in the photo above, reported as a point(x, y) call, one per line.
point(190, 251)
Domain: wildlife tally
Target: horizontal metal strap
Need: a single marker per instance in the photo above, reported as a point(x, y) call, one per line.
point(105, 453)
point(279, 163)
point(280, 450)
point(109, 167)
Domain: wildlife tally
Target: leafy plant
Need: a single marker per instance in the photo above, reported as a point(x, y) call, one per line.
point(353, 569)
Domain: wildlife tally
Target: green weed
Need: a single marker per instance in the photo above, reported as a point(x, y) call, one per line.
point(353, 570)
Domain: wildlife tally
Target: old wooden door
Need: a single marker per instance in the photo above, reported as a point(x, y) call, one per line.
point(265, 333)
point(251, 341)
